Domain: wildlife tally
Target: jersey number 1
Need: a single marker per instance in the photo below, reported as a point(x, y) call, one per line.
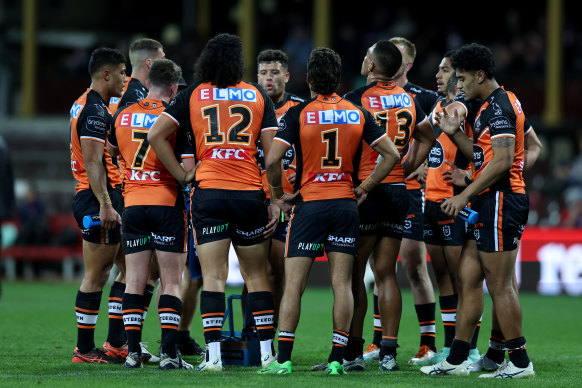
point(331, 160)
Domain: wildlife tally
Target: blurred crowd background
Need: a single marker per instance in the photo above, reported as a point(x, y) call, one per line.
point(66, 31)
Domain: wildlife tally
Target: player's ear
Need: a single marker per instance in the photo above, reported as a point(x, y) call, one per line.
point(147, 84)
point(287, 77)
point(106, 73)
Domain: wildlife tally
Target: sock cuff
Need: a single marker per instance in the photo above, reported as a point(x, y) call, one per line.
point(448, 302)
point(118, 286)
point(170, 301)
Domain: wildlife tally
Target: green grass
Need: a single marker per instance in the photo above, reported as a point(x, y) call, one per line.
point(38, 334)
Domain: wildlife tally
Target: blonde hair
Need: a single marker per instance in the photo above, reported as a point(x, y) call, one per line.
point(409, 47)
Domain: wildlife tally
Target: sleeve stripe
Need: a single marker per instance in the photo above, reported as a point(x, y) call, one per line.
point(282, 141)
point(503, 135)
point(171, 118)
point(267, 129)
point(187, 156)
point(463, 106)
point(93, 138)
point(378, 139)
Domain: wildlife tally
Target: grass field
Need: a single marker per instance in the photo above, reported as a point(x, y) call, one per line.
point(38, 334)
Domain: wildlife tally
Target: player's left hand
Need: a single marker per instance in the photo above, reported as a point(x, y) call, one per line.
point(361, 195)
point(453, 206)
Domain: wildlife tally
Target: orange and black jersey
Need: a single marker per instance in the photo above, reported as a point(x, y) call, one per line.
point(397, 113)
point(425, 98)
point(90, 120)
point(326, 132)
point(437, 189)
point(146, 180)
point(226, 125)
point(133, 91)
point(289, 100)
point(500, 116)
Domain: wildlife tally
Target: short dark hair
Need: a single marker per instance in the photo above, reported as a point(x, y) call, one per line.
point(387, 57)
point(271, 55)
point(221, 62)
point(449, 53)
point(474, 57)
point(104, 57)
point(324, 70)
point(164, 73)
point(144, 46)
point(452, 82)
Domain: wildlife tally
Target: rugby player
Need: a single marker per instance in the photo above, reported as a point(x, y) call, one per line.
point(326, 132)
point(225, 117)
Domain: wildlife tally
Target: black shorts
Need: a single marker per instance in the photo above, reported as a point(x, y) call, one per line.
point(441, 229)
point(502, 218)
point(414, 223)
point(331, 224)
point(239, 215)
point(154, 227)
point(384, 211)
point(85, 203)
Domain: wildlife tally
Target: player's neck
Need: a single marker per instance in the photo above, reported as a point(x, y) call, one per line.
point(488, 87)
point(102, 90)
point(278, 99)
point(377, 78)
point(140, 74)
point(401, 81)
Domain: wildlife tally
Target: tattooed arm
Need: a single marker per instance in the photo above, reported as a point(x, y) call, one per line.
point(500, 163)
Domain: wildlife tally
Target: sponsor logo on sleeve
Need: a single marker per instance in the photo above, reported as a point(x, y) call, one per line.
point(500, 122)
point(96, 125)
point(75, 110)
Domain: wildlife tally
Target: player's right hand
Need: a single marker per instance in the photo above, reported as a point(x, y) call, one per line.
point(449, 124)
point(108, 216)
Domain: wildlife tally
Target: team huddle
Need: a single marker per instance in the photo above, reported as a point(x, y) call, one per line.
point(177, 173)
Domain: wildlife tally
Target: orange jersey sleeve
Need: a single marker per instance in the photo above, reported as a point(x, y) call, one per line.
point(90, 119)
point(500, 116)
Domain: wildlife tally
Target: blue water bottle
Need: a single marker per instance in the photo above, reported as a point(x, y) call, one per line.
point(471, 216)
point(90, 221)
